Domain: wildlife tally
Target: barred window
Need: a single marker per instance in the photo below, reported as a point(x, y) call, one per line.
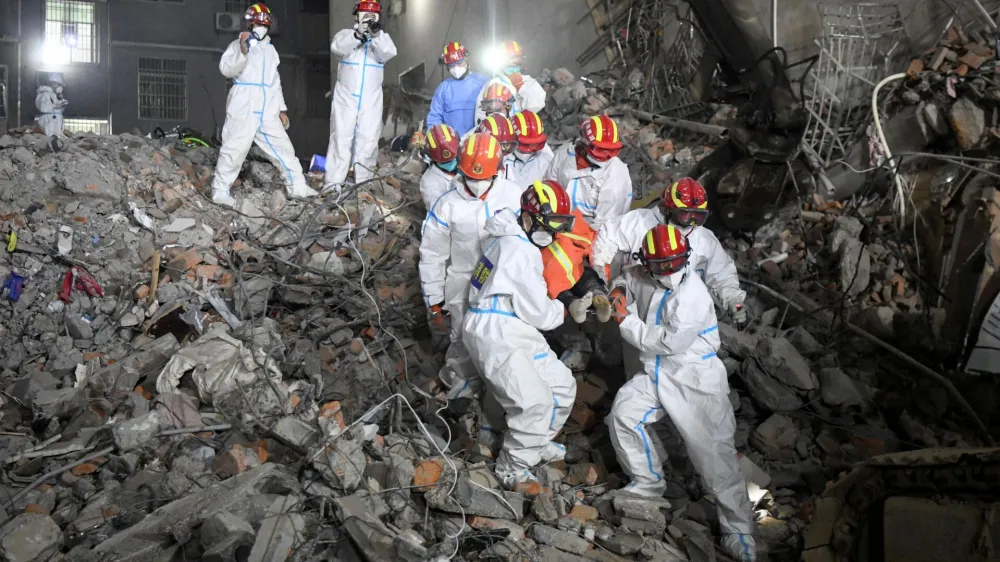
point(237, 5)
point(163, 94)
point(70, 32)
point(96, 126)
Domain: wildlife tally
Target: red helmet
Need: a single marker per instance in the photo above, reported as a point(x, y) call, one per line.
point(686, 203)
point(258, 14)
point(548, 206)
point(442, 143)
point(454, 53)
point(530, 132)
point(500, 127)
point(665, 250)
point(498, 98)
point(367, 6)
point(512, 50)
point(600, 137)
point(480, 157)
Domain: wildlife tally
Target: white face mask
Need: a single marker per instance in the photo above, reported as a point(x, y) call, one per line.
point(458, 71)
point(597, 163)
point(672, 281)
point(260, 32)
point(542, 238)
point(523, 156)
point(478, 187)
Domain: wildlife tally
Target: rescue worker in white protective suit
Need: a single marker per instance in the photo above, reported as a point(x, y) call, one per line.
point(529, 94)
point(441, 146)
point(532, 155)
point(508, 309)
point(496, 98)
point(255, 110)
point(452, 240)
point(356, 116)
point(665, 311)
point(502, 129)
point(50, 105)
point(685, 205)
point(597, 181)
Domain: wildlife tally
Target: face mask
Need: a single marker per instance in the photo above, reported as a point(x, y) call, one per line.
point(458, 71)
point(542, 238)
point(478, 187)
point(59, 89)
point(523, 156)
point(670, 282)
point(449, 166)
point(596, 162)
point(512, 70)
point(260, 32)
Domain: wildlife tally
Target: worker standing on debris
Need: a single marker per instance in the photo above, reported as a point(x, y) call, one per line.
point(530, 95)
point(255, 110)
point(497, 98)
point(502, 129)
point(532, 155)
point(50, 104)
point(685, 205)
point(665, 311)
point(596, 179)
point(454, 101)
point(356, 115)
point(452, 241)
point(508, 309)
point(442, 149)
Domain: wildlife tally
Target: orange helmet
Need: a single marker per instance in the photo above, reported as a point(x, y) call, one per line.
point(442, 143)
point(545, 206)
point(530, 132)
point(454, 53)
point(480, 157)
point(512, 50)
point(686, 203)
point(498, 98)
point(367, 6)
point(258, 14)
point(500, 127)
point(600, 137)
point(665, 250)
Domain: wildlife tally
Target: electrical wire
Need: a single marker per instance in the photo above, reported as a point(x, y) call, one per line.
point(880, 136)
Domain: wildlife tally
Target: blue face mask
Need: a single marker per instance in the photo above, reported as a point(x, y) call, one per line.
point(449, 166)
point(512, 70)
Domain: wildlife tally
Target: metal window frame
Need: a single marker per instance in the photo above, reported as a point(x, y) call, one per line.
point(95, 43)
point(104, 125)
point(160, 74)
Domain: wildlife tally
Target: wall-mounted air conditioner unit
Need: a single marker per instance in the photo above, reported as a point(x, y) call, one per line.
point(231, 21)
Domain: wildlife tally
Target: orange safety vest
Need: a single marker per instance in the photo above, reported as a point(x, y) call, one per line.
point(563, 260)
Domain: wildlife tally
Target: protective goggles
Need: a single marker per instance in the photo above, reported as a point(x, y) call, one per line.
point(533, 147)
point(494, 106)
point(689, 217)
point(602, 154)
point(664, 267)
point(554, 223)
point(508, 146)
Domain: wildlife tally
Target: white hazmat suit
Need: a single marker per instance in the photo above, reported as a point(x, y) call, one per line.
point(600, 194)
point(508, 308)
point(50, 111)
point(677, 335)
point(253, 115)
point(356, 115)
point(708, 258)
point(452, 240)
point(531, 169)
point(433, 184)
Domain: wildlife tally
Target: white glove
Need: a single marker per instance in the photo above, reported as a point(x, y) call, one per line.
point(739, 313)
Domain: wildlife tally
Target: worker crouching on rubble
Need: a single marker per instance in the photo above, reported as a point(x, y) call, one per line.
point(442, 148)
point(597, 181)
point(684, 205)
point(508, 310)
point(665, 311)
point(452, 241)
point(255, 110)
point(532, 155)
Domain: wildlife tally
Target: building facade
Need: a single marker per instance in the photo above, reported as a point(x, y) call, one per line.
point(134, 65)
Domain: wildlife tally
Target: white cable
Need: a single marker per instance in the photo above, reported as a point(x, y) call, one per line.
point(880, 136)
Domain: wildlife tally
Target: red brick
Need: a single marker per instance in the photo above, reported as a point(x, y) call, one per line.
point(583, 415)
point(84, 469)
point(331, 410)
point(583, 474)
point(532, 489)
point(427, 474)
point(142, 292)
point(35, 508)
point(232, 462)
point(186, 261)
point(583, 513)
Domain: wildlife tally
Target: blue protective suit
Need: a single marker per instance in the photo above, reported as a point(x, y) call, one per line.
point(454, 102)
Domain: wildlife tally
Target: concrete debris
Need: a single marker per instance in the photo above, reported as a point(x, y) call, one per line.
point(30, 537)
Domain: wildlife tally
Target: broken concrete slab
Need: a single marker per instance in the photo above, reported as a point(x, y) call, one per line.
point(838, 389)
point(782, 360)
point(30, 537)
point(767, 390)
point(475, 500)
point(280, 532)
point(968, 121)
point(562, 540)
